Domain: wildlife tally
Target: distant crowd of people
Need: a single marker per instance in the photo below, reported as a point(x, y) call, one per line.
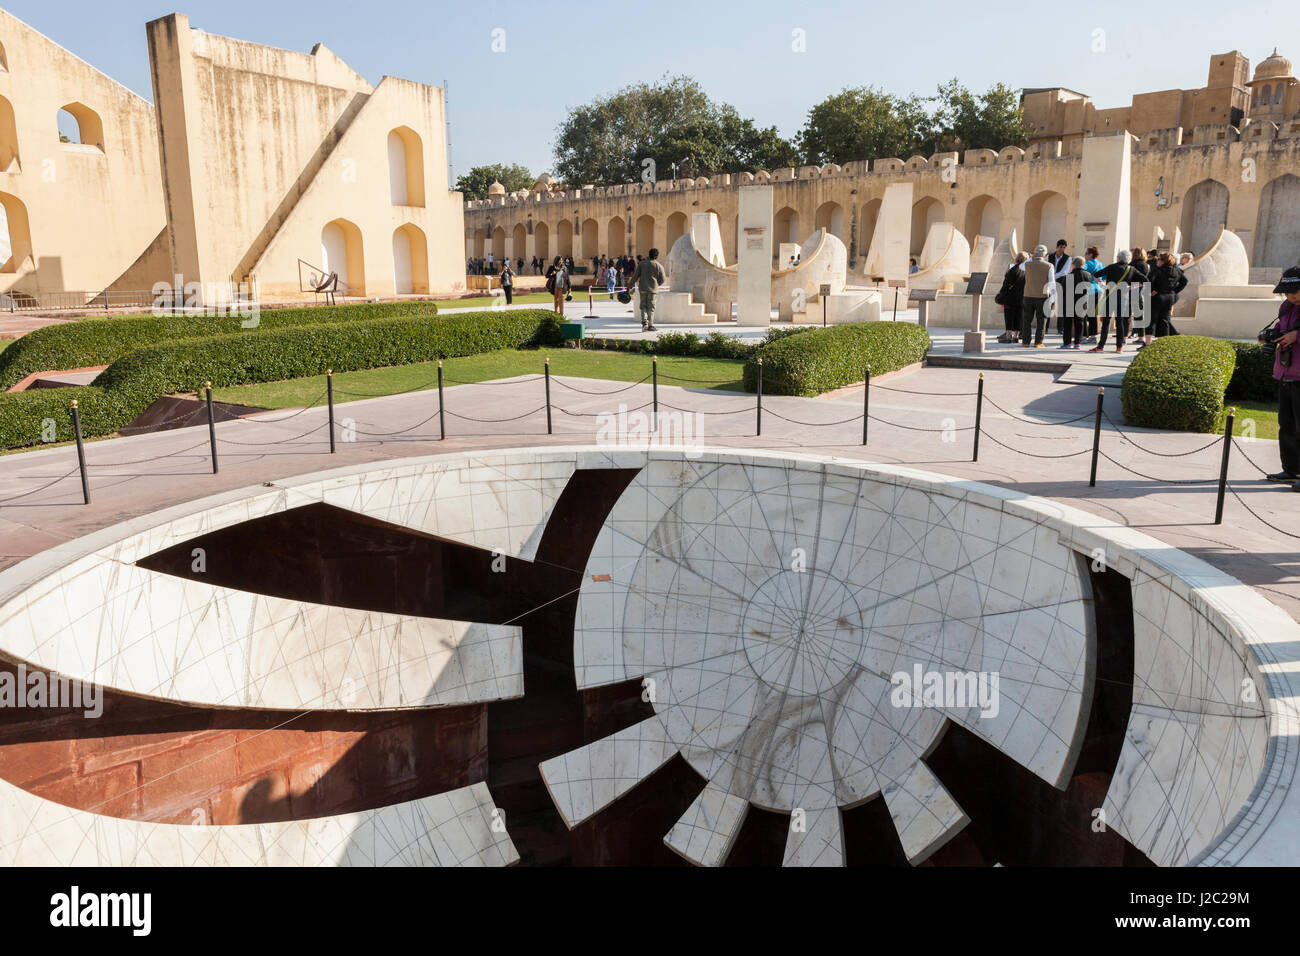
point(1136, 293)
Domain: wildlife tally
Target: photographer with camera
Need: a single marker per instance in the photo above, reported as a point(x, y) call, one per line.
point(1280, 340)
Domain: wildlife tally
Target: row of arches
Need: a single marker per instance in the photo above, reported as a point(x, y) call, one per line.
point(1043, 220)
point(76, 124)
point(343, 252)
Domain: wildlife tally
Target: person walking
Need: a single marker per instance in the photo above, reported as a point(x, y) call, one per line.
point(1286, 370)
point(1040, 283)
point(1011, 298)
point(611, 279)
point(648, 277)
point(507, 281)
point(557, 283)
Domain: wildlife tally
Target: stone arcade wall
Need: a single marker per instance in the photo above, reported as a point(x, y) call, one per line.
point(981, 192)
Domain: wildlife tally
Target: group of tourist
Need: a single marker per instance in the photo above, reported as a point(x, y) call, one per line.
point(646, 275)
point(1081, 290)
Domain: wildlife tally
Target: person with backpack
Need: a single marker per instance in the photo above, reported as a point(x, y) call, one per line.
point(1092, 263)
point(1011, 297)
point(557, 283)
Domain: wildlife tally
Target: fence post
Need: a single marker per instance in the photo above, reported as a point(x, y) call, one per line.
point(1223, 468)
point(979, 411)
point(759, 422)
point(866, 404)
point(329, 393)
point(81, 453)
point(1096, 437)
point(547, 373)
point(654, 390)
point(212, 426)
point(442, 421)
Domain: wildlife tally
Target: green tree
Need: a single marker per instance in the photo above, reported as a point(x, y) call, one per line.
point(671, 123)
point(990, 120)
point(474, 184)
point(863, 123)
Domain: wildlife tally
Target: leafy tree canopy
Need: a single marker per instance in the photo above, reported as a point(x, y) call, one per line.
point(474, 184)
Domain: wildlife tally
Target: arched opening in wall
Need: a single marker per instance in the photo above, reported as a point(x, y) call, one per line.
point(80, 125)
point(564, 238)
point(1277, 230)
point(590, 238)
point(4, 59)
point(542, 242)
point(405, 167)
point(983, 218)
point(1205, 212)
point(8, 139)
point(498, 243)
point(645, 235)
point(616, 237)
point(1044, 220)
point(15, 234)
point(830, 216)
point(519, 242)
point(785, 228)
point(340, 252)
point(925, 212)
point(676, 228)
point(410, 260)
point(867, 226)
point(477, 246)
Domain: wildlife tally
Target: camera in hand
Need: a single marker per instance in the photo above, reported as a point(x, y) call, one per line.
point(1269, 338)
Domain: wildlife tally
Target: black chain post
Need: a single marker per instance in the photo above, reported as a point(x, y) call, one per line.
point(81, 452)
point(1223, 468)
point(866, 404)
point(1096, 437)
point(212, 426)
point(442, 421)
point(979, 411)
point(759, 421)
point(654, 390)
point(329, 394)
point(547, 372)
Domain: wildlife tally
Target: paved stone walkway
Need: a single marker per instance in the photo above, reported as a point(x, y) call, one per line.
point(1037, 439)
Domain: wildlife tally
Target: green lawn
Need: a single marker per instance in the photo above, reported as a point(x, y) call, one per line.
point(719, 374)
point(485, 301)
point(1263, 414)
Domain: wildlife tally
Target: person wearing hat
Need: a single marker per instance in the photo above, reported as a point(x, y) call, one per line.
point(1286, 369)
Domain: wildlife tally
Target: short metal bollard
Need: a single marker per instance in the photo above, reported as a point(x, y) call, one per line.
point(547, 372)
point(866, 403)
point(212, 426)
point(81, 453)
point(759, 410)
point(654, 391)
point(1223, 467)
point(329, 393)
point(979, 412)
point(442, 421)
point(1096, 437)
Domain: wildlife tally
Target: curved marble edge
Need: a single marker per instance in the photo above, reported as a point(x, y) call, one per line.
point(1260, 635)
point(457, 828)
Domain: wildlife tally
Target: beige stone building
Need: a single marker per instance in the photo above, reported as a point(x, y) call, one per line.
point(1193, 173)
point(253, 165)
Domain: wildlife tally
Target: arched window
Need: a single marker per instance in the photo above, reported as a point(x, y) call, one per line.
point(80, 125)
point(340, 245)
point(405, 167)
point(15, 234)
point(410, 260)
point(4, 59)
point(8, 138)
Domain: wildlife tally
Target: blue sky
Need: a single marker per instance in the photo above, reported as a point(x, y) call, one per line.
point(504, 107)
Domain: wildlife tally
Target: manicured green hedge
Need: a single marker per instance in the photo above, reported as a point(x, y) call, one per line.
point(132, 383)
point(714, 345)
point(103, 341)
point(1252, 379)
point(1178, 383)
point(825, 359)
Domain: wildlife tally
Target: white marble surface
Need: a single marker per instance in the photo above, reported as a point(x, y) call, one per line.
point(457, 828)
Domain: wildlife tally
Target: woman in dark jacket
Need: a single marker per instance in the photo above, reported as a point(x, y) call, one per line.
point(1011, 297)
point(1167, 280)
